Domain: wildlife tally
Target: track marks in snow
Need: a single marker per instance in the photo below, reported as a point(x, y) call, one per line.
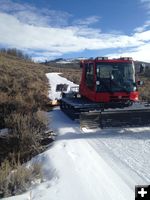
point(102, 163)
point(132, 150)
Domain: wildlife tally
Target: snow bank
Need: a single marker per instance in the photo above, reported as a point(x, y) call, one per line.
point(54, 80)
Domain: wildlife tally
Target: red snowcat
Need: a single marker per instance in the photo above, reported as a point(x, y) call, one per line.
point(108, 95)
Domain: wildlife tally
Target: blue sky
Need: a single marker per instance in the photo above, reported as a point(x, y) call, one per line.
point(48, 29)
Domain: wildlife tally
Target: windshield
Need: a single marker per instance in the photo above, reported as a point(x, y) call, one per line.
point(115, 77)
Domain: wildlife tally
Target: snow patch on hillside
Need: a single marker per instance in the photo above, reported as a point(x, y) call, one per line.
point(54, 79)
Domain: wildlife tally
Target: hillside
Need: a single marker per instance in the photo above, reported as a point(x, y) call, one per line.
point(23, 96)
point(23, 85)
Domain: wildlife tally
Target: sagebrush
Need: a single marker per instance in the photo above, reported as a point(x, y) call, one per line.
point(16, 178)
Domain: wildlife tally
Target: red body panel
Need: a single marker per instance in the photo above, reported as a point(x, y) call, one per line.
point(108, 97)
point(94, 96)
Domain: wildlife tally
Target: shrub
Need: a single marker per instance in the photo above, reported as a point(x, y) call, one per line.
point(16, 178)
point(15, 52)
point(23, 94)
point(27, 131)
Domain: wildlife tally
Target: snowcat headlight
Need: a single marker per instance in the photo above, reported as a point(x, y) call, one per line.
point(97, 82)
point(134, 88)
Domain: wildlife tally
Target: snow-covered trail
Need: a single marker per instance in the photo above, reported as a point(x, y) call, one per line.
point(129, 150)
point(107, 163)
point(103, 165)
point(54, 79)
point(90, 176)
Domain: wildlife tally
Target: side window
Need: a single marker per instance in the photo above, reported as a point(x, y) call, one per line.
point(90, 75)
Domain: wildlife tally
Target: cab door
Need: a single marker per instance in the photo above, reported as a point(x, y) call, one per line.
point(90, 81)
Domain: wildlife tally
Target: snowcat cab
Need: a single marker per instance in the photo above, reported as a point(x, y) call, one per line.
point(106, 93)
point(109, 81)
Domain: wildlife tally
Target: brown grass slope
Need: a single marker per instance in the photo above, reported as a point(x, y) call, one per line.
point(23, 94)
point(145, 89)
point(23, 85)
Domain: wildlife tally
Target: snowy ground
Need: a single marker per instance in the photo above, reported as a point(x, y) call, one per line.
point(54, 80)
point(92, 165)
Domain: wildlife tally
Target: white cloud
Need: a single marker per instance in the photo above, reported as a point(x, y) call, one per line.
point(24, 35)
point(144, 27)
point(62, 40)
point(87, 21)
point(46, 41)
point(140, 53)
point(28, 14)
point(38, 56)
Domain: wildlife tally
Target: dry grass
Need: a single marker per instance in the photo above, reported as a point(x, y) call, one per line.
point(73, 75)
point(71, 71)
point(26, 133)
point(145, 89)
point(16, 178)
point(23, 94)
point(22, 82)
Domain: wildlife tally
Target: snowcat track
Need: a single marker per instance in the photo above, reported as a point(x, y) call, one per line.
point(91, 115)
point(117, 118)
point(90, 120)
point(69, 110)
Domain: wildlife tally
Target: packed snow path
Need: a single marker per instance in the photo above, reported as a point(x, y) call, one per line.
point(107, 164)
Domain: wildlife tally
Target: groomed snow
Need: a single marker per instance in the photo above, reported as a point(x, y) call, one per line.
point(92, 165)
point(54, 80)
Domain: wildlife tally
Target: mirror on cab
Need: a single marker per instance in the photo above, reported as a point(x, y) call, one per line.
point(142, 68)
